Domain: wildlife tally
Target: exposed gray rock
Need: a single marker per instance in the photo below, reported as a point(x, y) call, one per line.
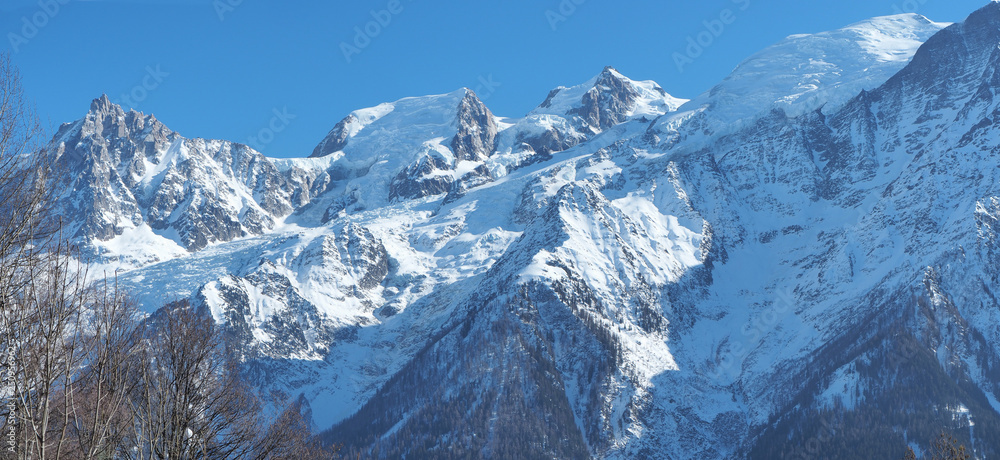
point(121, 170)
point(429, 176)
point(608, 103)
point(336, 140)
point(477, 130)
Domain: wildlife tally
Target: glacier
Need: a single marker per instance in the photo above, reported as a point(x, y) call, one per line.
point(620, 273)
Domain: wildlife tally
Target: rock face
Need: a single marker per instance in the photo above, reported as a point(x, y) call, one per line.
point(608, 103)
point(569, 116)
point(659, 283)
point(136, 174)
point(102, 154)
point(266, 311)
point(477, 130)
point(336, 140)
point(438, 172)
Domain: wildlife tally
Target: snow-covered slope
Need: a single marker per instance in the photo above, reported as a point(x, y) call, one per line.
point(610, 275)
point(806, 72)
point(607, 100)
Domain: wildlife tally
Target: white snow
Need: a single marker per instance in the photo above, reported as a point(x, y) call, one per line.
point(653, 100)
point(137, 247)
point(647, 229)
point(805, 72)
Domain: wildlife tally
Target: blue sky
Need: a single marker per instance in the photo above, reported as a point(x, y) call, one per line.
point(280, 74)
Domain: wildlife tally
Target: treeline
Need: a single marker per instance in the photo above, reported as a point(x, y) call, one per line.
point(904, 399)
point(501, 397)
point(84, 374)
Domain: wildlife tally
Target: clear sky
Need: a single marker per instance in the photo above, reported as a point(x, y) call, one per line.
point(280, 74)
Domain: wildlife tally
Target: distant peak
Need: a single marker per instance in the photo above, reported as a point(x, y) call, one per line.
point(470, 101)
point(438, 109)
point(896, 24)
point(610, 74)
point(607, 99)
point(103, 104)
point(469, 94)
point(108, 119)
point(819, 71)
point(608, 77)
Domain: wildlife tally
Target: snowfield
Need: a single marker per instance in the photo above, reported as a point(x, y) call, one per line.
point(629, 273)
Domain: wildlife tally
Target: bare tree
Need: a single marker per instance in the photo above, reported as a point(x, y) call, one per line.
point(291, 431)
point(43, 333)
point(22, 199)
point(100, 419)
point(23, 193)
point(945, 447)
point(191, 402)
point(95, 382)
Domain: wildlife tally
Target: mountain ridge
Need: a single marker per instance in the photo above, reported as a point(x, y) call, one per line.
point(660, 278)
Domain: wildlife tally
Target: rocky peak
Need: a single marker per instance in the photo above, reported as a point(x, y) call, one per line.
point(606, 100)
point(477, 129)
point(609, 102)
point(131, 175)
point(108, 123)
point(107, 119)
point(608, 81)
point(103, 105)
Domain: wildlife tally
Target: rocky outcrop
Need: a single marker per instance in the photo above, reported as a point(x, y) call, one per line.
point(128, 169)
point(609, 102)
point(336, 140)
point(477, 130)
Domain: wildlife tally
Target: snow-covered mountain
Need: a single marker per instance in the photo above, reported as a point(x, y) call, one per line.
point(802, 262)
point(807, 72)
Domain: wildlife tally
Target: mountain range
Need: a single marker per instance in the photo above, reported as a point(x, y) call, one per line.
point(802, 262)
